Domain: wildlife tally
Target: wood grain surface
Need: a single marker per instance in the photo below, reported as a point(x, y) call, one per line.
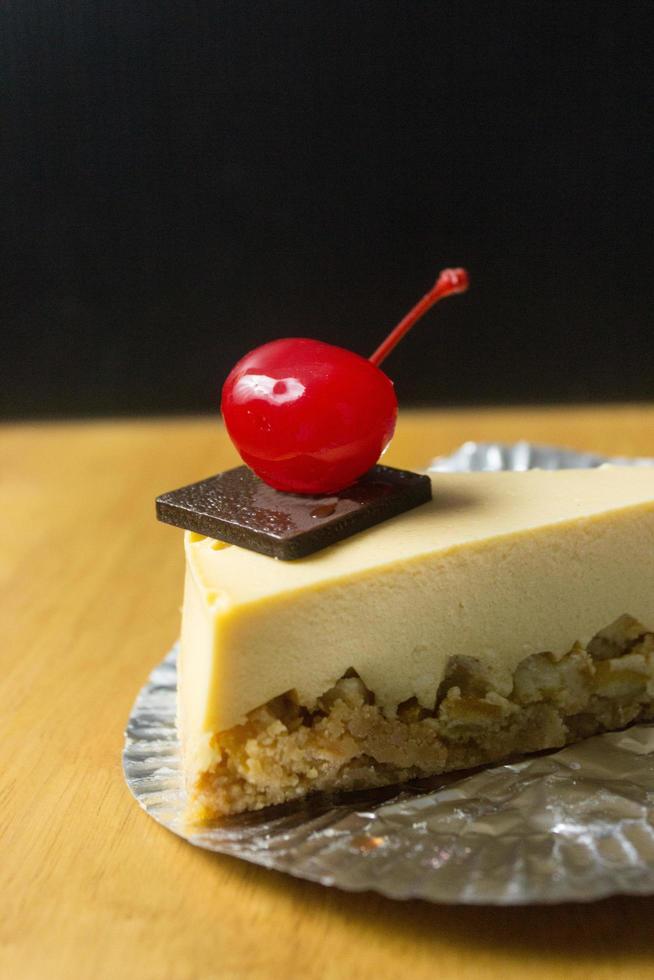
point(90, 886)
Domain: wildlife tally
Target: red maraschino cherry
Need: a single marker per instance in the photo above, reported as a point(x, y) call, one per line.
point(310, 417)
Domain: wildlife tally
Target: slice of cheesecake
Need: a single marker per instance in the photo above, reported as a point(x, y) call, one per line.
point(512, 613)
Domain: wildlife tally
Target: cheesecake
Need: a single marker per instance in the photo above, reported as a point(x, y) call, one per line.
point(510, 614)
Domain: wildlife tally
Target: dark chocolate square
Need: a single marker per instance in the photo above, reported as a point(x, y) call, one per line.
point(239, 508)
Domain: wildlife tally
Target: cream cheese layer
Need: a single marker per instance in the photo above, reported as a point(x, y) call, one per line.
point(497, 567)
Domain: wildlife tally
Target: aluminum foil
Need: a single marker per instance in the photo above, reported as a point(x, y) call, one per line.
point(571, 825)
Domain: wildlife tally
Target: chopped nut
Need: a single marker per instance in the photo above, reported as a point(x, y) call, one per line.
point(616, 638)
point(351, 690)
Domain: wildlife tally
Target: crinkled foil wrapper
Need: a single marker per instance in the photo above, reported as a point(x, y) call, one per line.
point(572, 825)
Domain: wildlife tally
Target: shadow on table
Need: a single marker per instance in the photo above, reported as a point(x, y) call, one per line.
point(614, 927)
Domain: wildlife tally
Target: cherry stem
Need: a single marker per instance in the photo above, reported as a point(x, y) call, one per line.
point(449, 282)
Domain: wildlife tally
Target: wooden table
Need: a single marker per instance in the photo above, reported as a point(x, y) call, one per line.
point(92, 887)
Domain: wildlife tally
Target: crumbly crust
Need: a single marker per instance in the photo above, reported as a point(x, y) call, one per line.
point(285, 751)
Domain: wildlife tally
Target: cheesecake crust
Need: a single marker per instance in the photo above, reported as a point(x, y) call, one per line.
point(286, 750)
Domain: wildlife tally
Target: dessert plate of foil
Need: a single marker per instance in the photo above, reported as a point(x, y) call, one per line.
point(576, 824)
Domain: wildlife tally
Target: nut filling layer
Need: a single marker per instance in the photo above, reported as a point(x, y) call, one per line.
point(286, 751)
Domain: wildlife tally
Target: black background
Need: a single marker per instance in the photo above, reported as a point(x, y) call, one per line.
point(186, 180)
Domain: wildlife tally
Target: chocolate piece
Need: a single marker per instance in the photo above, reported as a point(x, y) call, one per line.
point(239, 508)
